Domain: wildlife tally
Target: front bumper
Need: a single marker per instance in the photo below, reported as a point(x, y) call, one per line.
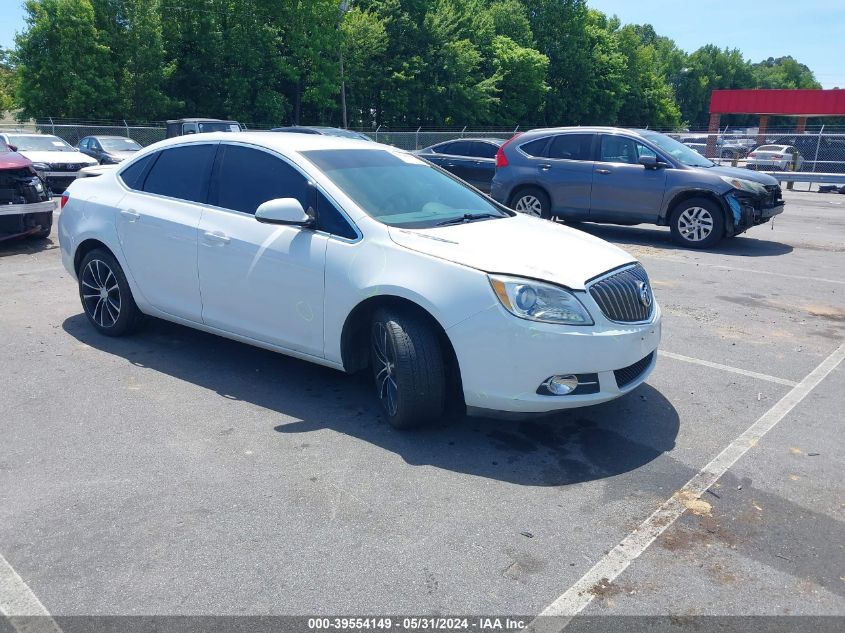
point(48, 206)
point(504, 359)
point(747, 209)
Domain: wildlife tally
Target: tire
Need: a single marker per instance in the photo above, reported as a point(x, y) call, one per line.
point(408, 367)
point(697, 223)
point(532, 201)
point(105, 295)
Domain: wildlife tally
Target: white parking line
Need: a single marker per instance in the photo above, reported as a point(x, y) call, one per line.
point(733, 370)
point(617, 560)
point(19, 604)
point(737, 268)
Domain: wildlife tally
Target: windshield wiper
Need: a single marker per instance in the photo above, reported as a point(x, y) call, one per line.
point(468, 217)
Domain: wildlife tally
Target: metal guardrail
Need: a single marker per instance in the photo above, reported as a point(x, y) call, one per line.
point(798, 176)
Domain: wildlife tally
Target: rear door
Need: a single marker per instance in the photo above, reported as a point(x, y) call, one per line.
point(457, 158)
point(567, 173)
point(624, 190)
point(157, 226)
point(483, 165)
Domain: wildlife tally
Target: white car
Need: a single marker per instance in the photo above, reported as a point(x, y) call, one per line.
point(56, 162)
point(356, 255)
point(774, 157)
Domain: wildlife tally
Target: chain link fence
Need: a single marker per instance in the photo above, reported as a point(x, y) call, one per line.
point(818, 151)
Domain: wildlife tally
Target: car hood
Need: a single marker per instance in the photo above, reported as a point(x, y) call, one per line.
point(522, 246)
point(59, 157)
point(745, 174)
point(13, 160)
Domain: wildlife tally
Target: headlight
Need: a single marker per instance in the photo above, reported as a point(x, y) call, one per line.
point(744, 185)
point(40, 166)
point(538, 301)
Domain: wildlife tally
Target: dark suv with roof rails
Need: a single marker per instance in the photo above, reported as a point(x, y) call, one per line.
point(620, 176)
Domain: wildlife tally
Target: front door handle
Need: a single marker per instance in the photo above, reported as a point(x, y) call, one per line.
point(544, 166)
point(603, 172)
point(216, 237)
point(131, 214)
point(448, 164)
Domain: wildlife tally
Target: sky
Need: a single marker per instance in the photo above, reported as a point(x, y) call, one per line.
point(812, 31)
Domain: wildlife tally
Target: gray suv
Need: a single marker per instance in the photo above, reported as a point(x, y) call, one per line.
point(631, 177)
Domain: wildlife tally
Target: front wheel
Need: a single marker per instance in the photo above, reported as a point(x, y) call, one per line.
point(533, 201)
point(408, 366)
point(105, 295)
point(697, 223)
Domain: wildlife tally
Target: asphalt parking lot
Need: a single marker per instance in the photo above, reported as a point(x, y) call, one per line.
point(178, 473)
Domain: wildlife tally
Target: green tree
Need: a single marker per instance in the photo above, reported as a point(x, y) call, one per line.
point(521, 73)
point(648, 98)
point(365, 42)
point(707, 69)
point(64, 70)
point(8, 79)
point(783, 72)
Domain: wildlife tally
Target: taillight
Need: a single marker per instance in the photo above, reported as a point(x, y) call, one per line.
point(752, 155)
point(501, 159)
point(778, 156)
point(63, 202)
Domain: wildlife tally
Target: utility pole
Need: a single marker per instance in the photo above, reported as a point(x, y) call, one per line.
point(344, 7)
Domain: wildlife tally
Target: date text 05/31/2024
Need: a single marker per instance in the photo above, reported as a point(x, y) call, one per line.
point(428, 623)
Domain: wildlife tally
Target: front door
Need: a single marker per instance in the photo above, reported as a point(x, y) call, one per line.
point(624, 190)
point(261, 281)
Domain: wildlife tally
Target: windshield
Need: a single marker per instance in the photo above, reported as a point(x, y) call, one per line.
point(398, 189)
point(678, 151)
point(119, 145)
point(40, 143)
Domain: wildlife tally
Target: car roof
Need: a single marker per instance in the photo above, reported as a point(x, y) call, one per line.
point(280, 142)
point(496, 141)
point(27, 133)
point(108, 136)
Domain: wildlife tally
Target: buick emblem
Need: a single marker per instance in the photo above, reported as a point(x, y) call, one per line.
point(645, 294)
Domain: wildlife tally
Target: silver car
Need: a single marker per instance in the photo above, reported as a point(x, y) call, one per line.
point(631, 177)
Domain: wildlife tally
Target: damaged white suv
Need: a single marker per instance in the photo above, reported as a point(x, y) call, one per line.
point(360, 256)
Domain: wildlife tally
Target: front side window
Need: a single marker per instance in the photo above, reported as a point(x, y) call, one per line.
point(572, 147)
point(330, 219)
point(401, 190)
point(619, 149)
point(182, 172)
point(249, 177)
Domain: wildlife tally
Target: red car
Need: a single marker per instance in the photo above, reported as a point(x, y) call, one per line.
point(26, 209)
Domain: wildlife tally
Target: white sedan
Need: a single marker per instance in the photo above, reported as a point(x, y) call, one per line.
point(775, 158)
point(356, 255)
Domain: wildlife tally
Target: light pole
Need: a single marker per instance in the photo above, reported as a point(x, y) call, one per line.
point(344, 7)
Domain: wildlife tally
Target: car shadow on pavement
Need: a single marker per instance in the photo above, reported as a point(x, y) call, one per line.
point(742, 245)
point(302, 398)
point(26, 246)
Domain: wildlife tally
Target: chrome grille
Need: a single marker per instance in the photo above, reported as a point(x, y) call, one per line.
point(625, 296)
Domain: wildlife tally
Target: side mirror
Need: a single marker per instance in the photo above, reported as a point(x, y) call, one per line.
point(651, 162)
point(286, 211)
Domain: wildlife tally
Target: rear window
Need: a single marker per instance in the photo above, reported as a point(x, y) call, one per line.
point(182, 172)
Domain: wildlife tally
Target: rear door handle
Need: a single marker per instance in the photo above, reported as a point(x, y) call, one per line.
point(131, 214)
point(603, 172)
point(216, 237)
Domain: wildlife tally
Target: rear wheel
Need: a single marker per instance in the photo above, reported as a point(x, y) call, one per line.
point(408, 366)
point(532, 201)
point(105, 295)
point(697, 223)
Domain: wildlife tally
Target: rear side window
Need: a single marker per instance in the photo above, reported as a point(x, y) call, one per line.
point(445, 148)
point(571, 147)
point(458, 148)
point(182, 172)
point(330, 220)
point(133, 176)
point(248, 177)
point(484, 150)
point(537, 148)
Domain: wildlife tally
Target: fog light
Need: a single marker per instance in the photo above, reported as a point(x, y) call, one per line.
point(562, 385)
